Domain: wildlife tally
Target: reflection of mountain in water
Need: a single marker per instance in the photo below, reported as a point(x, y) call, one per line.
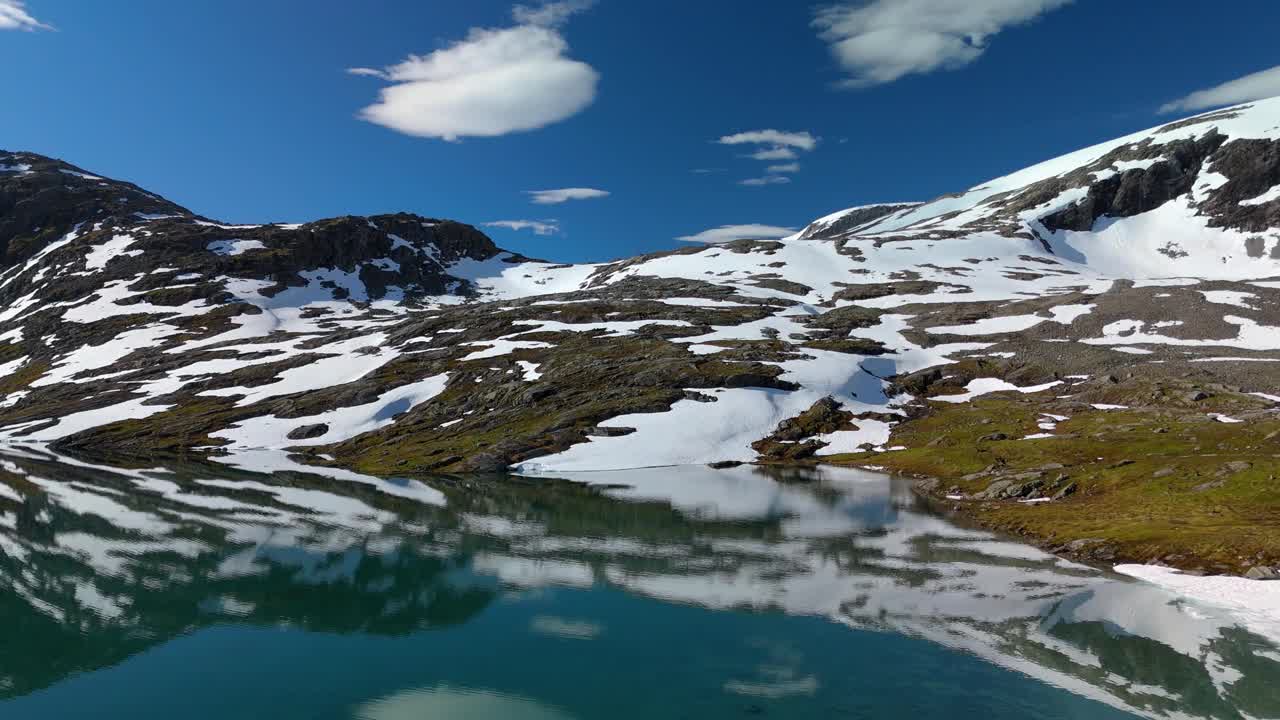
point(99, 563)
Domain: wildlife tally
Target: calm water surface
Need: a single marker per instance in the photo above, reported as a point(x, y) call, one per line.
point(205, 591)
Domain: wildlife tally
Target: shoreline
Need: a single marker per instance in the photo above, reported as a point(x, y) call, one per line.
point(1099, 552)
point(1255, 601)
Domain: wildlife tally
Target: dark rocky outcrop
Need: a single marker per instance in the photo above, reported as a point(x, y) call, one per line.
point(1131, 192)
point(851, 221)
point(795, 438)
point(307, 432)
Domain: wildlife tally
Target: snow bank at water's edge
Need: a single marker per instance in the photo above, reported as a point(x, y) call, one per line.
point(1255, 602)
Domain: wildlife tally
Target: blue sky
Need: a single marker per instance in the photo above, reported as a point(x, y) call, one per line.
point(246, 111)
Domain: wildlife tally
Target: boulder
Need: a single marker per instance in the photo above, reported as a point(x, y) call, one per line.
point(307, 432)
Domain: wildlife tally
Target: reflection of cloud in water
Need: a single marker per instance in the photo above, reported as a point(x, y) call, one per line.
point(775, 688)
point(777, 678)
point(456, 704)
point(565, 628)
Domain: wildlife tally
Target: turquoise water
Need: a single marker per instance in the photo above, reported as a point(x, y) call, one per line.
point(203, 591)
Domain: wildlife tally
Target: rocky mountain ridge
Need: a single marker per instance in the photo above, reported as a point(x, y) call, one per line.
point(404, 344)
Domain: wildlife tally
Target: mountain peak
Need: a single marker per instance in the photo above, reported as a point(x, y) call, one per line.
point(1191, 197)
point(42, 199)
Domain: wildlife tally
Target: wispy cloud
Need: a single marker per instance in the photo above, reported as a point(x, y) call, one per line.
point(777, 138)
point(559, 195)
point(881, 41)
point(1259, 85)
point(539, 227)
point(776, 153)
point(550, 14)
point(706, 171)
point(766, 180)
point(495, 82)
point(773, 145)
point(729, 233)
point(14, 16)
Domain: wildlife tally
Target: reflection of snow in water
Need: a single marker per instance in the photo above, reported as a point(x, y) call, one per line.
point(866, 559)
point(843, 544)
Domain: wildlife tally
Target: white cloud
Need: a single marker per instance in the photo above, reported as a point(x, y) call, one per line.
point(773, 145)
point(14, 16)
point(1259, 85)
point(555, 197)
point(883, 40)
point(777, 138)
point(539, 227)
point(495, 82)
point(766, 180)
point(777, 153)
point(550, 14)
point(729, 233)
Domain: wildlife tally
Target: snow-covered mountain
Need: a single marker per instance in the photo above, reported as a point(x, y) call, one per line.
point(1193, 198)
point(397, 343)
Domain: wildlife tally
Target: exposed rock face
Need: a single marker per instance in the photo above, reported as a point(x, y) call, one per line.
point(47, 198)
point(399, 343)
point(1135, 191)
point(1252, 169)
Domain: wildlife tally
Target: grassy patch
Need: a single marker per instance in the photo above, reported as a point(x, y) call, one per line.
point(22, 377)
point(1156, 482)
point(172, 432)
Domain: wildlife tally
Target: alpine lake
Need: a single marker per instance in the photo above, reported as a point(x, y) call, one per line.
point(202, 590)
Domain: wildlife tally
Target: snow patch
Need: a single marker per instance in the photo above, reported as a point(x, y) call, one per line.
point(343, 423)
point(1255, 602)
point(984, 386)
point(1230, 297)
point(104, 253)
point(234, 247)
point(530, 370)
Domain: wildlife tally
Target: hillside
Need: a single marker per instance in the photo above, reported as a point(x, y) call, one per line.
point(1132, 284)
